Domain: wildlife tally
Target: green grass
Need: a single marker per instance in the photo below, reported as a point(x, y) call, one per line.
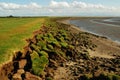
point(13, 32)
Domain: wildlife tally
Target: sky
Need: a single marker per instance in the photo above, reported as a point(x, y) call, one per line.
point(60, 7)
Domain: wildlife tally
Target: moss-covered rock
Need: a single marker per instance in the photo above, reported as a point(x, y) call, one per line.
point(64, 44)
point(39, 63)
point(50, 47)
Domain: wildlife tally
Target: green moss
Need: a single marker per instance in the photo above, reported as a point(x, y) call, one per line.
point(71, 47)
point(34, 55)
point(64, 34)
point(43, 53)
point(50, 47)
point(41, 44)
point(48, 78)
point(61, 39)
point(35, 63)
point(62, 53)
point(64, 44)
point(49, 35)
point(115, 77)
point(56, 43)
point(39, 37)
point(36, 48)
point(39, 63)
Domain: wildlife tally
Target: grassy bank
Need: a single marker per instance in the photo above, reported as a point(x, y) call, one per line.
point(13, 32)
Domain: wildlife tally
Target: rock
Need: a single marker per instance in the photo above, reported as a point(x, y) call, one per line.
point(81, 69)
point(97, 73)
point(76, 72)
point(29, 76)
point(50, 72)
point(82, 64)
point(81, 60)
point(112, 69)
point(53, 63)
point(22, 63)
point(17, 76)
point(21, 71)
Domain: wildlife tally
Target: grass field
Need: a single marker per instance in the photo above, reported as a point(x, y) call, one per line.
point(13, 32)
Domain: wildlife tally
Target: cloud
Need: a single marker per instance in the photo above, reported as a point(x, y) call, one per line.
point(32, 6)
point(78, 7)
point(84, 5)
point(13, 6)
point(54, 4)
point(9, 6)
point(76, 4)
point(56, 8)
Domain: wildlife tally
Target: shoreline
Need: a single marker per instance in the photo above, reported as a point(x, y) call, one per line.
point(100, 31)
point(107, 48)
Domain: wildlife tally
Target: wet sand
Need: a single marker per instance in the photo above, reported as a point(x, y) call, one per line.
point(100, 27)
point(111, 21)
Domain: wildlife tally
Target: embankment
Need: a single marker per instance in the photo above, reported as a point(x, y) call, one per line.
point(61, 51)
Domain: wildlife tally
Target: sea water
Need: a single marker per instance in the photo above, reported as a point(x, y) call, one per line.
point(109, 28)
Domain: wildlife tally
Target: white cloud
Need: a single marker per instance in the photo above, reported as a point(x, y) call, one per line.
point(32, 6)
point(78, 7)
point(56, 8)
point(9, 6)
point(54, 4)
point(84, 5)
point(13, 6)
point(79, 4)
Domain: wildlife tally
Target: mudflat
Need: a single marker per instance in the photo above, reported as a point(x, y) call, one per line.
point(100, 26)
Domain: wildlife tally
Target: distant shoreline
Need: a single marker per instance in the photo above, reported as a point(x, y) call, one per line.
point(104, 31)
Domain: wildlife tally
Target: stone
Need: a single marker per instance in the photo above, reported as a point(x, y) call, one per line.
point(17, 76)
point(20, 71)
point(81, 60)
point(29, 76)
point(22, 63)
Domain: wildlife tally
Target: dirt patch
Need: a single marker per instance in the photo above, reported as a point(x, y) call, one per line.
point(61, 74)
point(5, 71)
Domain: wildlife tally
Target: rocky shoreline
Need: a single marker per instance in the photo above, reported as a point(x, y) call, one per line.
point(63, 52)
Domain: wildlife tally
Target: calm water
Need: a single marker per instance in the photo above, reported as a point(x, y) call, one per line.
point(105, 27)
